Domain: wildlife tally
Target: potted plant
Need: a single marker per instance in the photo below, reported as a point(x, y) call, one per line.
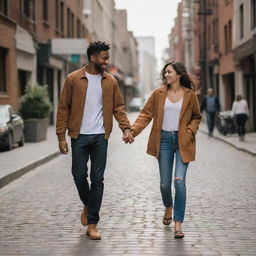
point(35, 107)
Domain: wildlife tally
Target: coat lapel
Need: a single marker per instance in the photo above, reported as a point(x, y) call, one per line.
point(185, 102)
point(162, 99)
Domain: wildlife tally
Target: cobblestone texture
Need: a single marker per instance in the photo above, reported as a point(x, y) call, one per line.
point(39, 213)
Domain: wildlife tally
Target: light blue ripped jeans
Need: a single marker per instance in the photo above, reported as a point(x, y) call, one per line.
point(169, 147)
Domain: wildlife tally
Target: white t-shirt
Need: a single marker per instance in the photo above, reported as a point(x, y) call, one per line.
point(92, 122)
point(171, 115)
point(240, 107)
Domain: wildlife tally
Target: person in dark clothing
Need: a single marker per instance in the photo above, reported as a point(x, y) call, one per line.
point(211, 105)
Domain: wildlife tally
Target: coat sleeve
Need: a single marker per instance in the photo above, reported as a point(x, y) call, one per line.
point(63, 111)
point(119, 109)
point(145, 116)
point(196, 115)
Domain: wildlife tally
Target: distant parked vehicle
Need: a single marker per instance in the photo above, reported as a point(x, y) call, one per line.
point(11, 127)
point(136, 104)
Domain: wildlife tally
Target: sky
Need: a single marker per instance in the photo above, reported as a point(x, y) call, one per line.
point(151, 18)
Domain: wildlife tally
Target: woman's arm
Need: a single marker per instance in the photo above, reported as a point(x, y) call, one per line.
point(145, 116)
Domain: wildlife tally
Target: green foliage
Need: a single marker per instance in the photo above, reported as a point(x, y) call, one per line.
point(35, 102)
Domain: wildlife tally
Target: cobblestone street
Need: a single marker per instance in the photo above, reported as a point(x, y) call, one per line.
point(40, 212)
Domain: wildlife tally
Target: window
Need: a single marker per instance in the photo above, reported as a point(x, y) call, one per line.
point(4, 7)
point(61, 17)
point(78, 28)
point(253, 14)
point(28, 8)
point(45, 10)
point(57, 14)
point(3, 54)
point(226, 38)
point(230, 35)
point(208, 36)
point(69, 22)
point(72, 25)
point(241, 19)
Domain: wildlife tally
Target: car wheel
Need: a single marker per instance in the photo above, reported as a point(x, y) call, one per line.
point(22, 140)
point(10, 142)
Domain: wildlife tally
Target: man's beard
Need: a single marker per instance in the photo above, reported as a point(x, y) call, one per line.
point(99, 67)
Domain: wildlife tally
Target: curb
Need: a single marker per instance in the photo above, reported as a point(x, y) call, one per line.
point(19, 172)
point(231, 144)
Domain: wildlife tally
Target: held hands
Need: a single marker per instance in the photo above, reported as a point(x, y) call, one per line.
point(63, 146)
point(128, 137)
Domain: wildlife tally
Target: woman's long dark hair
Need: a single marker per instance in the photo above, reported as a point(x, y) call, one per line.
point(186, 79)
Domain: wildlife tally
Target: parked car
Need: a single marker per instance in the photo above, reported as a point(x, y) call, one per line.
point(136, 104)
point(11, 127)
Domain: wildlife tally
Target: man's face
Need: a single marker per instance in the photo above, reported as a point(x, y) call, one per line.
point(100, 60)
point(210, 92)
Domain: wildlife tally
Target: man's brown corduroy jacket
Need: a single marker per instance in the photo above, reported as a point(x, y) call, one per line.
point(71, 104)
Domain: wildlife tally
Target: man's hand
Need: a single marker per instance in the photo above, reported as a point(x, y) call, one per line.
point(128, 137)
point(63, 146)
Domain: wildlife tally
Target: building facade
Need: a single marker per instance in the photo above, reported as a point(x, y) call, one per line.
point(147, 66)
point(224, 45)
point(41, 41)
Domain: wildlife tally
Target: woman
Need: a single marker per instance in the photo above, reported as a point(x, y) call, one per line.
point(175, 110)
point(241, 113)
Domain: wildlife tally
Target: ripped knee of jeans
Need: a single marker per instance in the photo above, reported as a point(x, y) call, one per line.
point(179, 181)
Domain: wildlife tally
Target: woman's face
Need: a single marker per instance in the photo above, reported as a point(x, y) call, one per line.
point(171, 75)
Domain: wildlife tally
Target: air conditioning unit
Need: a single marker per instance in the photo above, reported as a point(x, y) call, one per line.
point(87, 12)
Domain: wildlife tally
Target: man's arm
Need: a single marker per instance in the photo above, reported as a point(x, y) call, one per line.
point(119, 110)
point(63, 114)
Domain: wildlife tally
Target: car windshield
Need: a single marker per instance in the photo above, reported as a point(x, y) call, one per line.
point(3, 115)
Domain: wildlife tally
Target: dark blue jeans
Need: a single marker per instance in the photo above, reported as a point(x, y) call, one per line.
point(169, 148)
point(210, 121)
point(95, 148)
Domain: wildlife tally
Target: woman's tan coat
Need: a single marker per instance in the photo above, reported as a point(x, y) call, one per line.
point(190, 118)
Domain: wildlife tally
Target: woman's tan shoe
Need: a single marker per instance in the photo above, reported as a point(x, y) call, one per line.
point(166, 219)
point(92, 232)
point(84, 214)
point(178, 234)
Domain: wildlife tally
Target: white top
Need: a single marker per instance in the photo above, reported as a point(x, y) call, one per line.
point(240, 107)
point(92, 122)
point(171, 115)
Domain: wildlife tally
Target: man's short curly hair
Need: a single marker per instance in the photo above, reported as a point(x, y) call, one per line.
point(96, 47)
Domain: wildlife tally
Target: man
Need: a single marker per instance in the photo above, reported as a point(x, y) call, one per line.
point(211, 105)
point(89, 99)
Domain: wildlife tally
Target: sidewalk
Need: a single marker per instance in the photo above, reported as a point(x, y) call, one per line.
point(249, 145)
point(21, 160)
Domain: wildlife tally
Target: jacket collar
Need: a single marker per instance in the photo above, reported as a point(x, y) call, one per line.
point(164, 88)
point(84, 69)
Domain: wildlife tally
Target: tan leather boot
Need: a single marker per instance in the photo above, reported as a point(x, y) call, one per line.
point(93, 233)
point(84, 220)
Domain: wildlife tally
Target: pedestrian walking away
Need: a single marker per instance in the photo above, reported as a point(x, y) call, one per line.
point(211, 106)
point(241, 113)
point(89, 100)
point(176, 116)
